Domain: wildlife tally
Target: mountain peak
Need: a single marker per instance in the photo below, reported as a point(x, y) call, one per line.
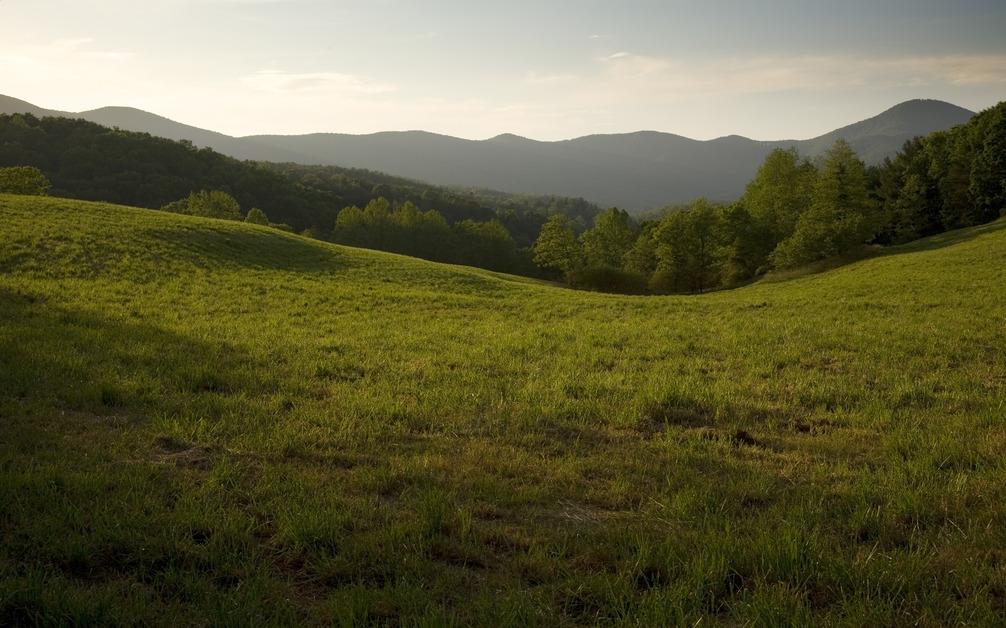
point(509, 137)
point(928, 104)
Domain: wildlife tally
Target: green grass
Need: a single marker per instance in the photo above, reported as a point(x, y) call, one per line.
point(211, 423)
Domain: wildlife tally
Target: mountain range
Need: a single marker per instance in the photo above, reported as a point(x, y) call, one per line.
point(636, 171)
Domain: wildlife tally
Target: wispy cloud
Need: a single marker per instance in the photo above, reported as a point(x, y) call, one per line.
point(316, 82)
point(672, 77)
point(49, 56)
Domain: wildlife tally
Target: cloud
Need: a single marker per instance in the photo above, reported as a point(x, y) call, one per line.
point(57, 54)
point(315, 82)
point(534, 78)
point(637, 75)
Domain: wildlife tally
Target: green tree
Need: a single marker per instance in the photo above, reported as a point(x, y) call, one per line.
point(556, 247)
point(839, 217)
point(606, 243)
point(213, 204)
point(687, 250)
point(904, 219)
point(25, 180)
point(907, 195)
point(486, 245)
point(988, 173)
point(742, 244)
point(641, 258)
point(257, 217)
point(780, 191)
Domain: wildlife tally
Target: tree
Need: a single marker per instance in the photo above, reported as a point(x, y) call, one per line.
point(907, 194)
point(839, 217)
point(213, 204)
point(779, 193)
point(556, 247)
point(988, 173)
point(641, 258)
point(743, 241)
point(607, 242)
point(486, 245)
point(257, 217)
point(23, 180)
point(687, 250)
point(904, 224)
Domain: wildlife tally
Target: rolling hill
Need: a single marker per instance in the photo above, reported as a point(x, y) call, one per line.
point(86, 160)
point(207, 422)
point(636, 171)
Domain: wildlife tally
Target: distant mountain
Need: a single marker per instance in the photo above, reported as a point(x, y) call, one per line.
point(14, 105)
point(636, 171)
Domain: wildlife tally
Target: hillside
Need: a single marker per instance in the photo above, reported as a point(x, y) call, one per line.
point(93, 162)
point(636, 171)
point(207, 422)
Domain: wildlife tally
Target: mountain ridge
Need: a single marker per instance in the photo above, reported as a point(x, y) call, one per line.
point(637, 170)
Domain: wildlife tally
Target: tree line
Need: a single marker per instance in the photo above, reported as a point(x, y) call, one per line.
point(91, 162)
point(792, 213)
point(80, 159)
point(522, 215)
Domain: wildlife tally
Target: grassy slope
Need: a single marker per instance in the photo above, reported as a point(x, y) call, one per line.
point(211, 422)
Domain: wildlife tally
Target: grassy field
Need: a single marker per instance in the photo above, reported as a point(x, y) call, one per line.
point(211, 423)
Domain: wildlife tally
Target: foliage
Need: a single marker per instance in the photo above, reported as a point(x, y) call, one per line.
point(686, 250)
point(89, 161)
point(211, 204)
point(23, 180)
point(556, 247)
point(946, 180)
point(426, 234)
point(257, 217)
point(522, 215)
point(781, 191)
point(795, 213)
point(839, 217)
point(606, 243)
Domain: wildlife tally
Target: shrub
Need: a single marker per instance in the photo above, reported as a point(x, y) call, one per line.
point(257, 217)
point(214, 204)
point(23, 180)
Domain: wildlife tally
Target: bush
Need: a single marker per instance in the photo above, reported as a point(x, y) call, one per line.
point(257, 217)
point(23, 180)
point(214, 204)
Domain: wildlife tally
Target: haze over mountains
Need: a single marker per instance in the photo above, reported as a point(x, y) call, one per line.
point(636, 171)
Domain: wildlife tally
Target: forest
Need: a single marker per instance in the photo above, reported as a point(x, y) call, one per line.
point(794, 212)
point(87, 161)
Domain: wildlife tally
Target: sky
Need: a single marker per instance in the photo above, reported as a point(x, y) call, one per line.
point(766, 69)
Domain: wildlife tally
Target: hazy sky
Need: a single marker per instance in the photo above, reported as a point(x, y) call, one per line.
point(768, 69)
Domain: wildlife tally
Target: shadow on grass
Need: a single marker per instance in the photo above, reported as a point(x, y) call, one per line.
point(253, 248)
point(931, 243)
point(53, 357)
point(949, 238)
